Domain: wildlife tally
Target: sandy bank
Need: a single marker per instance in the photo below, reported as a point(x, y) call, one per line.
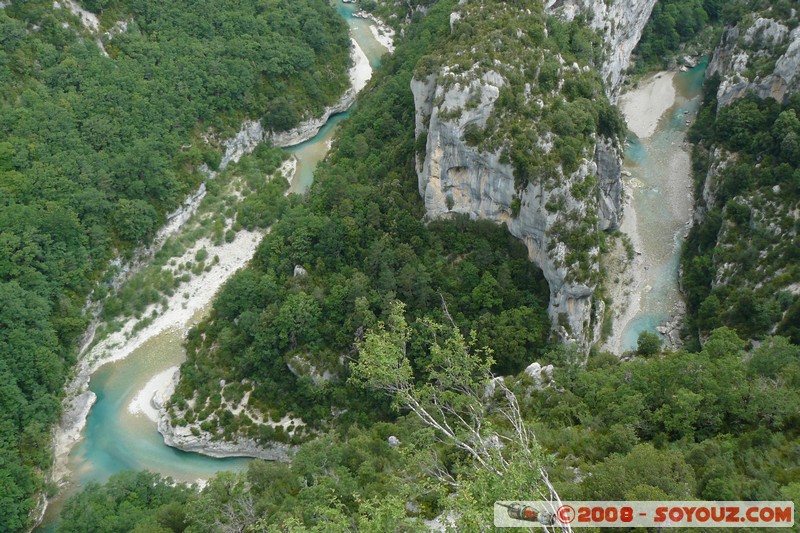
point(644, 106)
point(361, 71)
point(655, 238)
point(154, 394)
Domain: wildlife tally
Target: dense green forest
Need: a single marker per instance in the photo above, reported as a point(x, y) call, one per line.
point(612, 430)
point(96, 145)
point(749, 224)
point(402, 408)
point(361, 238)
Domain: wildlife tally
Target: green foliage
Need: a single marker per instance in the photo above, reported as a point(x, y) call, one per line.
point(672, 23)
point(642, 473)
point(648, 343)
point(361, 239)
point(748, 230)
point(719, 424)
point(96, 148)
point(129, 501)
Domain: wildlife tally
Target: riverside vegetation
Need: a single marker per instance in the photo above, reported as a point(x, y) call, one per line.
point(718, 422)
point(99, 142)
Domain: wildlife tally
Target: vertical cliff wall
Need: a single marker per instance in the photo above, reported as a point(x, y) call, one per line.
point(621, 23)
point(556, 206)
point(745, 57)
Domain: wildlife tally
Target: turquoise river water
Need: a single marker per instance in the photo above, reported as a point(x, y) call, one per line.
point(662, 226)
point(115, 439)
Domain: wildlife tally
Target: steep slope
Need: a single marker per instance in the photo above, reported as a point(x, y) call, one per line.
point(740, 266)
point(762, 57)
point(514, 127)
point(620, 22)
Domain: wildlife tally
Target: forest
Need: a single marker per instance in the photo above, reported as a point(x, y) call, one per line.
point(749, 223)
point(389, 344)
point(99, 142)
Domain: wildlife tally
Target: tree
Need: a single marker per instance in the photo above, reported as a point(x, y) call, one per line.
point(134, 220)
point(648, 343)
point(642, 474)
point(453, 401)
point(281, 115)
point(297, 320)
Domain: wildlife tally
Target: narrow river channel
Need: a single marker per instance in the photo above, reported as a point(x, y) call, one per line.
point(657, 170)
point(117, 439)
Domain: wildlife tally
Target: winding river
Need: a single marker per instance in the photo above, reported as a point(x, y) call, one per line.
point(118, 438)
point(658, 182)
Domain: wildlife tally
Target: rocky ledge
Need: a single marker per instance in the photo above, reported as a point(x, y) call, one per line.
point(192, 438)
point(211, 445)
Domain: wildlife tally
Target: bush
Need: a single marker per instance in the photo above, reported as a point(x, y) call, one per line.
point(649, 343)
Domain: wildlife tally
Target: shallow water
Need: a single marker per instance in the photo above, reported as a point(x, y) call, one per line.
point(114, 439)
point(311, 152)
point(663, 207)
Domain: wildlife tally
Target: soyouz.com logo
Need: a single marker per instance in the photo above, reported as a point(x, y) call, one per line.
point(644, 514)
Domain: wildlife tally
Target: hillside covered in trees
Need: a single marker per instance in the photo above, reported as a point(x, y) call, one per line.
point(102, 134)
point(740, 263)
point(612, 430)
point(387, 342)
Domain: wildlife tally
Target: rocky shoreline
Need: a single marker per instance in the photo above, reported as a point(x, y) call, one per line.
point(193, 439)
point(79, 400)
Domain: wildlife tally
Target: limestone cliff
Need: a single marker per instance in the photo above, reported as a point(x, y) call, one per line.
point(556, 207)
point(745, 57)
point(621, 22)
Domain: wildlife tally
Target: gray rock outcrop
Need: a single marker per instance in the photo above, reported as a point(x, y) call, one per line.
point(209, 444)
point(621, 23)
point(542, 376)
point(455, 178)
point(191, 438)
point(733, 62)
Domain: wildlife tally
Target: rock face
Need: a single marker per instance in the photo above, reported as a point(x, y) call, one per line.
point(733, 58)
point(621, 22)
point(457, 178)
point(205, 444)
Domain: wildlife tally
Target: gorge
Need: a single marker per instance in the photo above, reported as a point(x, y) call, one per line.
point(129, 373)
point(550, 251)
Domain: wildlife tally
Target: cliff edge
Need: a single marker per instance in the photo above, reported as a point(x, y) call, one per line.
point(529, 138)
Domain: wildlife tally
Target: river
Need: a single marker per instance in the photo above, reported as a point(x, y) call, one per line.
point(117, 439)
point(659, 186)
